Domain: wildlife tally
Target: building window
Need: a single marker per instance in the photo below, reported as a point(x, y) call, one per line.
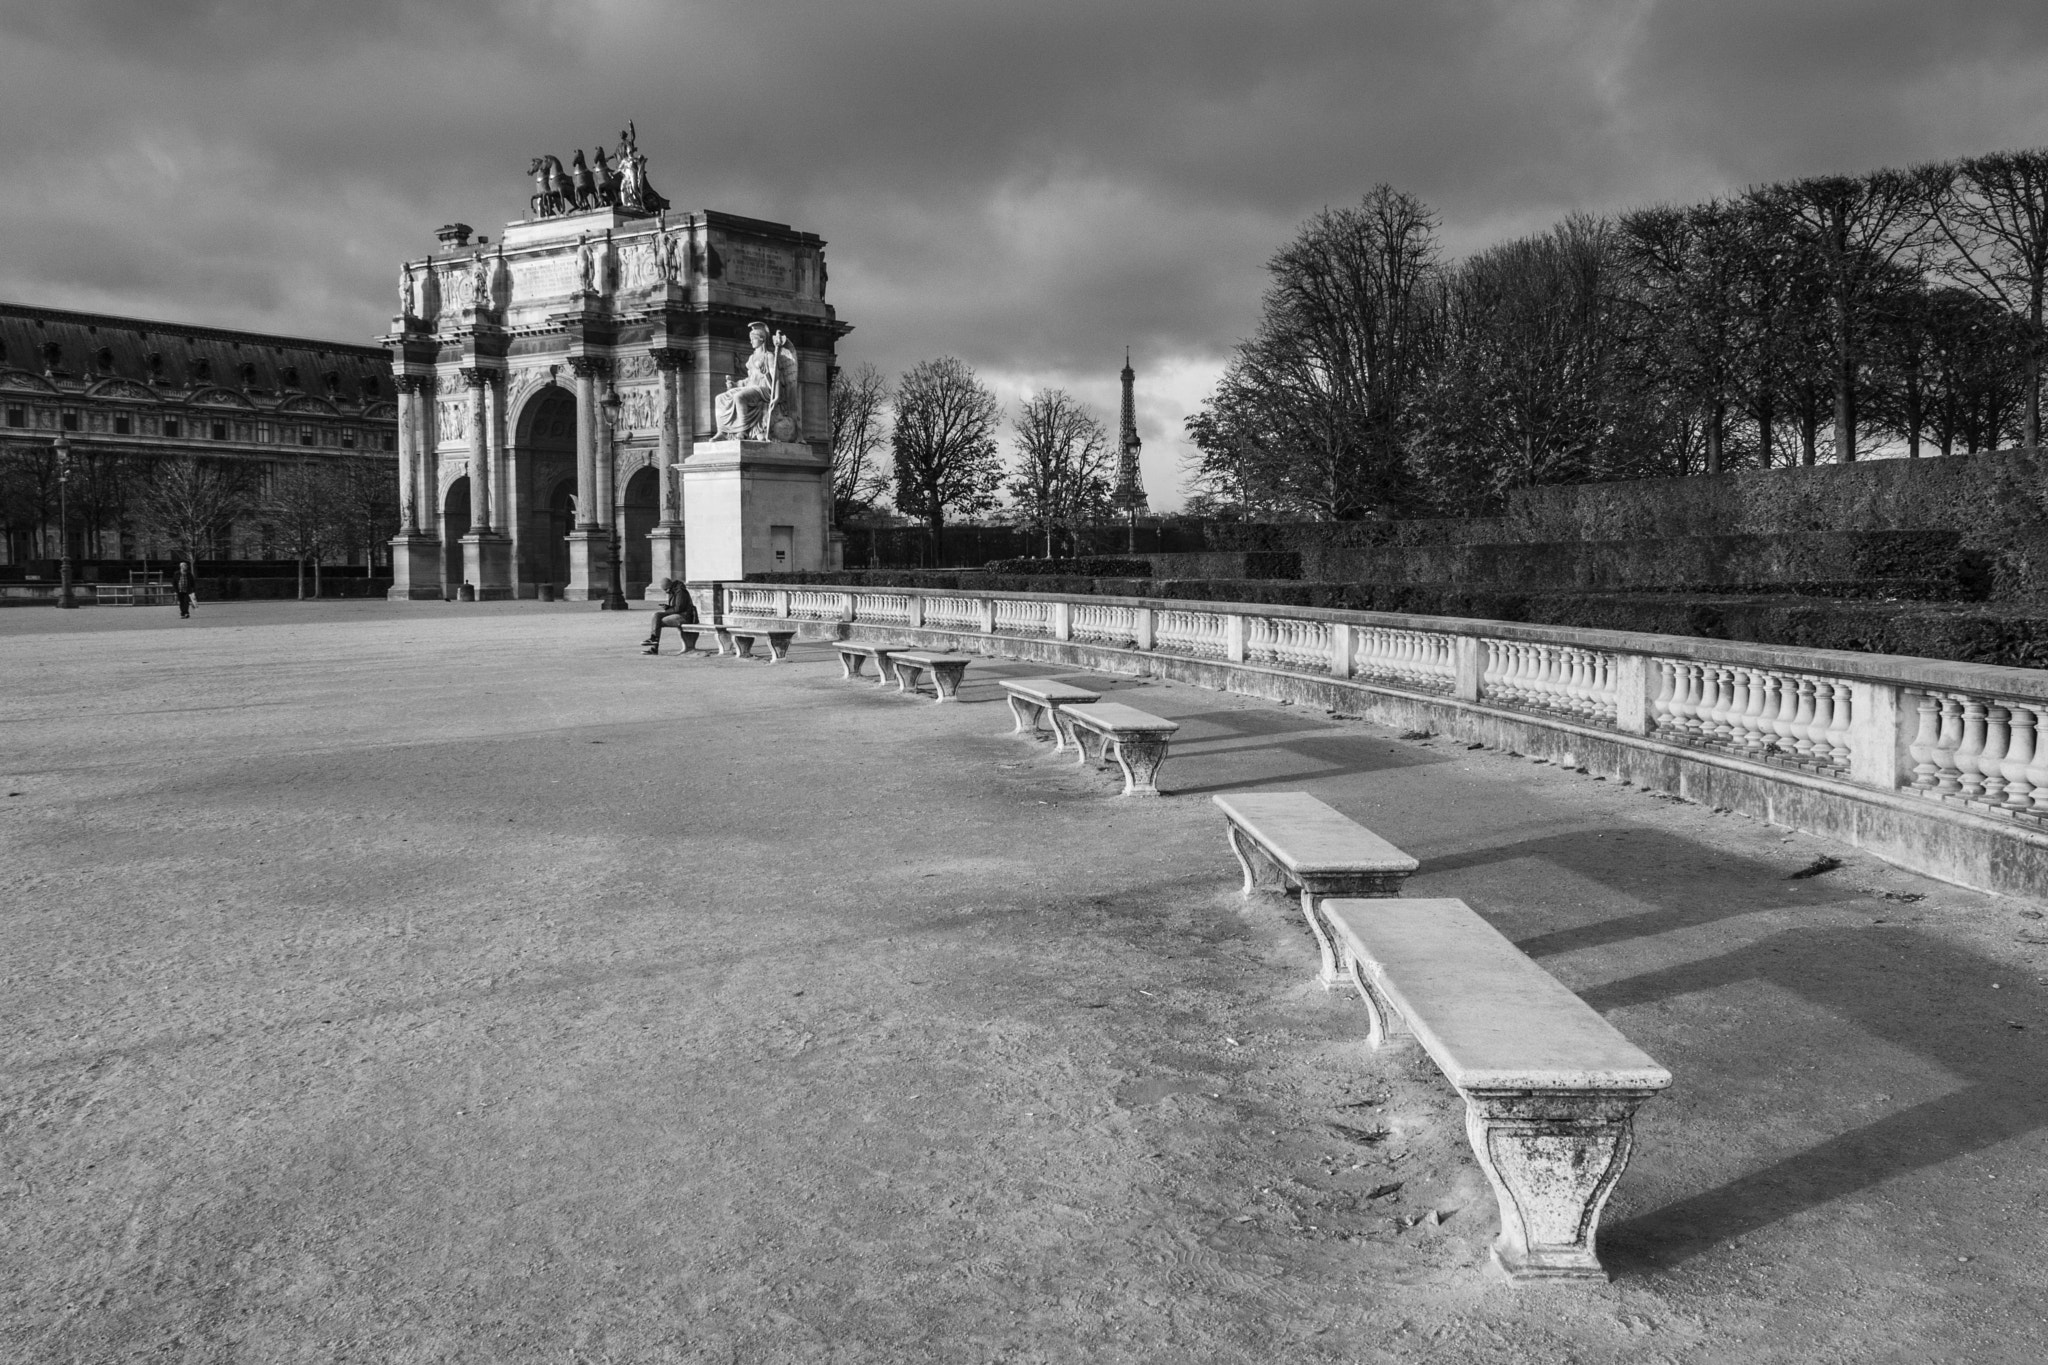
point(17, 417)
point(70, 421)
point(307, 436)
point(390, 441)
point(123, 424)
point(220, 431)
point(348, 440)
point(170, 426)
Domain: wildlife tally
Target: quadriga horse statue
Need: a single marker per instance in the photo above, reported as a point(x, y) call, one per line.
point(553, 193)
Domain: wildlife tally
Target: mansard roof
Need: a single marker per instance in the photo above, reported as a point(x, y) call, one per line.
point(92, 347)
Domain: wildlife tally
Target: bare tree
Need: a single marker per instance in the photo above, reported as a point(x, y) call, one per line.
point(365, 507)
point(944, 443)
point(299, 508)
point(1855, 233)
point(860, 400)
point(1994, 217)
point(193, 503)
point(1322, 396)
point(1064, 464)
point(28, 495)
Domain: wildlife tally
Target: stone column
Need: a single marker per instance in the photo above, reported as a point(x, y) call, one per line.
point(666, 539)
point(408, 454)
point(479, 450)
point(607, 459)
point(416, 565)
point(586, 368)
point(589, 544)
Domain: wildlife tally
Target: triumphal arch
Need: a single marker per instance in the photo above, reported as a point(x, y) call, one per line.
point(553, 385)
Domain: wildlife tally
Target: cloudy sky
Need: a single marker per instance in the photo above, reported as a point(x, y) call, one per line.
point(1031, 187)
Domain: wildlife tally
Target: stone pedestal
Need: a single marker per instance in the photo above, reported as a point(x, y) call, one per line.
point(667, 543)
point(487, 564)
point(755, 507)
point(415, 570)
point(590, 566)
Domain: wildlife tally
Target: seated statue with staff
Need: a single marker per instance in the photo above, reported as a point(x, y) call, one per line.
point(762, 404)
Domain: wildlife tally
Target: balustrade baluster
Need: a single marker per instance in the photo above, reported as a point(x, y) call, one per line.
point(1991, 763)
point(1970, 781)
point(1838, 725)
point(2019, 756)
point(2037, 765)
point(1784, 724)
point(1927, 733)
point(1948, 780)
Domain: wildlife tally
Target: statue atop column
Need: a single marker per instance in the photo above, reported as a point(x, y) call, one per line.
point(762, 404)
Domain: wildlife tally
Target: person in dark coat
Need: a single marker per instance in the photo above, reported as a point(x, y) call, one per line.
point(186, 586)
point(677, 610)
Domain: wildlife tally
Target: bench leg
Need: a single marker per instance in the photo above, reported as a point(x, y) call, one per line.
point(743, 646)
point(1260, 872)
point(1552, 1157)
point(906, 677)
point(1327, 946)
point(1063, 736)
point(1140, 757)
point(725, 644)
point(885, 671)
point(849, 665)
point(946, 680)
point(777, 649)
point(1023, 714)
point(1375, 1009)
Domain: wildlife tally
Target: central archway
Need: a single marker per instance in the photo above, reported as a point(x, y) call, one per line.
point(544, 455)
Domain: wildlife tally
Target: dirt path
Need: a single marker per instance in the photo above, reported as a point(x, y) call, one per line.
point(422, 983)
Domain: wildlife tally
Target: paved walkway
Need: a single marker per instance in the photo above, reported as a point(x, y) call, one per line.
point(416, 982)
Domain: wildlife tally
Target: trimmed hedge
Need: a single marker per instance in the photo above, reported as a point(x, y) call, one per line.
point(1094, 566)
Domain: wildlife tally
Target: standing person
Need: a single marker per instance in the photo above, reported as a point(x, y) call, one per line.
point(186, 586)
point(677, 610)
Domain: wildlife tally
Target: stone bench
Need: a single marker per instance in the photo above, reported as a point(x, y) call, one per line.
point(946, 670)
point(694, 629)
point(1035, 703)
point(744, 638)
point(1136, 738)
point(854, 653)
point(1551, 1088)
point(1286, 839)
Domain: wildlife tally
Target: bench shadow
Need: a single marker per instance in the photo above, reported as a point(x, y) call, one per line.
point(1898, 986)
point(1685, 884)
point(1323, 757)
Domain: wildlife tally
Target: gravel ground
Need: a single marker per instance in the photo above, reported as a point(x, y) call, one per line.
point(414, 982)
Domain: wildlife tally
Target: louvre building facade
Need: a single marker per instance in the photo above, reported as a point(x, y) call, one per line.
point(250, 446)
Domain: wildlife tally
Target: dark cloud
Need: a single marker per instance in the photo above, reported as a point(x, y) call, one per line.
point(1030, 187)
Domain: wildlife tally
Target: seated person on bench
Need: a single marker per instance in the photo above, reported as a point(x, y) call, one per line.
point(678, 610)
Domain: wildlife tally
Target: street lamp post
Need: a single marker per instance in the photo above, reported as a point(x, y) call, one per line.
point(615, 595)
point(64, 597)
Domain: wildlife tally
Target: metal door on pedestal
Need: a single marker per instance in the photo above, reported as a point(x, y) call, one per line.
point(782, 540)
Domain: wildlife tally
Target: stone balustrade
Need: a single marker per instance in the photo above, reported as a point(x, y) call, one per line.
point(1863, 747)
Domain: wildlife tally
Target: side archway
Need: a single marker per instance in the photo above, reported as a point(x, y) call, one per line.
point(638, 511)
point(454, 526)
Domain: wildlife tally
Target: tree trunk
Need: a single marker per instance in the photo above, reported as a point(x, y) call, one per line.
point(1715, 416)
point(301, 567)
point(1845, 406)
point(1913, 408)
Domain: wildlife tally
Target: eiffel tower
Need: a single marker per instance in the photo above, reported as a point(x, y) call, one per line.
point(1129, 495)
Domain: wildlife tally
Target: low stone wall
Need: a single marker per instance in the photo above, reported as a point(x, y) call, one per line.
point(2012, 634)
point(1935, 766)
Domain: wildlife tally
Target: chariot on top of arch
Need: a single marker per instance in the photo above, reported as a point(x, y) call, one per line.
point(618, 183)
